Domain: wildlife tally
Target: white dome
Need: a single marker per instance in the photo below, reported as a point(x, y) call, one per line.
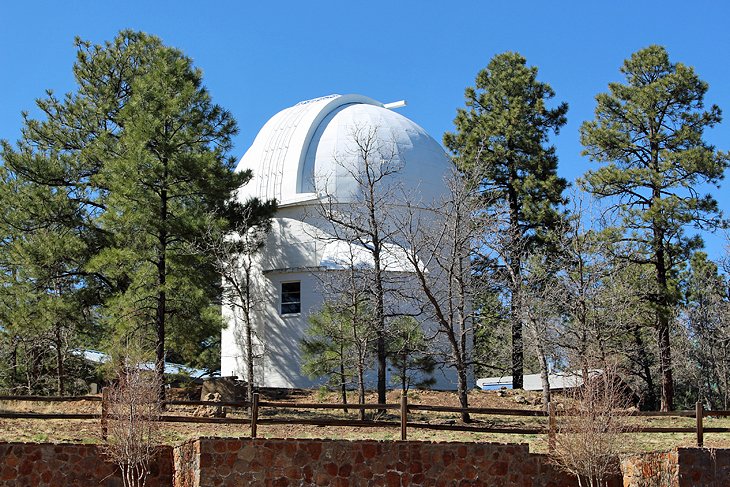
point(310, 148)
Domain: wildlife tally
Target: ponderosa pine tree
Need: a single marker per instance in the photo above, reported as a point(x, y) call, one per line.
point(705, 317)
point(649, 133)
point(138, 154)
point(502, 139)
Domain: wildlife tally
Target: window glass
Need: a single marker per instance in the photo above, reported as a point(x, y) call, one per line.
point(291, 300)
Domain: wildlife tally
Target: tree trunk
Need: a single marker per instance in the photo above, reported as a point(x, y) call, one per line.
point(403, 376)
point(14, 364)
point(249, 332)
point(517, 343)
point(361, 389)
point(650, 399)
point(665, 361)
point(249, 360)
point(544, 379)
point(665, 352)
point(161, 294)
point(380, 323)
point(515, 261)
point(59, 363)
point(462, 390)
point(343, 382)
point(374, 231)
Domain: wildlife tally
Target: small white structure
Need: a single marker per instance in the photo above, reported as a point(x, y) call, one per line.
point(297, 158)
point(98, 358)
point(558, 381)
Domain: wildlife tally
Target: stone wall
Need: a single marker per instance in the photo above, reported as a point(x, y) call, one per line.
point(703, 466)
point(681, 467)
point(47, 464)
point(281, 462)
point(656, 469)
point(272, 462)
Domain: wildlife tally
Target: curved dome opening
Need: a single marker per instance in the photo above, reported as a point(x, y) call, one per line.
point(309, 149)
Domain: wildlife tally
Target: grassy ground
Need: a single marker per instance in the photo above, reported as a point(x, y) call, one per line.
point(88, 431)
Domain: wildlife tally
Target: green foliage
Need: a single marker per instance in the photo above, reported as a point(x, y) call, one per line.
point(47, 300)
point(491, 334)
point(105, 198)
point(703, 336)
point(502, 135)
point(649, 133)
point(336, 340)
point(501, 141)
point(409, 354)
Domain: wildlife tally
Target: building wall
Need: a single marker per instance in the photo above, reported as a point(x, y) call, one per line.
point(280, 335)
point(680, 467)
point(295, 251)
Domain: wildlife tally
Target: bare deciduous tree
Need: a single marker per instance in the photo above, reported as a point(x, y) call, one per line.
point(339, 340)
point(365, 219)
point(591, 434)
point(133, 423)
point(235, 256)
point(439, 243)
point(539, 311)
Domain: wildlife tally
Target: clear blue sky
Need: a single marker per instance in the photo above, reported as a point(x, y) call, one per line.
point(260, 57)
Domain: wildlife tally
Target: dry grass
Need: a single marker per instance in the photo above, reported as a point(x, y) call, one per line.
point(88, 431)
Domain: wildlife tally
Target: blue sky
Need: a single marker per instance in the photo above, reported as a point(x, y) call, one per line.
point(260, 57)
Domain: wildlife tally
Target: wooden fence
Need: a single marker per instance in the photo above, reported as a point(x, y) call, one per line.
point(404, 408)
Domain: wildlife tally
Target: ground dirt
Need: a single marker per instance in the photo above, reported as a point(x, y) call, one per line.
point(89, 431)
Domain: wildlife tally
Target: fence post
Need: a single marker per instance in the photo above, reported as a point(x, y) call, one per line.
point(699, 414)
point(104, 412)
point(403, 416)
point(254, 413)
point(551, 427)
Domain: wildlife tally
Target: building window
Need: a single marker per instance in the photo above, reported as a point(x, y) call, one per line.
point(291, 298)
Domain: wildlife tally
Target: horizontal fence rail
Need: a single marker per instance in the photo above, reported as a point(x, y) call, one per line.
point(50, 398)
point(404, 408)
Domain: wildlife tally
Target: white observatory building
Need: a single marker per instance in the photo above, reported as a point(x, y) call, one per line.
point(301, 154)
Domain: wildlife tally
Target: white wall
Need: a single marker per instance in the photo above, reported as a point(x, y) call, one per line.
point(291, 253)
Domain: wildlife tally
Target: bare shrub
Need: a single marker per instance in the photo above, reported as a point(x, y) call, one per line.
point(133, 423)
point(590, 434)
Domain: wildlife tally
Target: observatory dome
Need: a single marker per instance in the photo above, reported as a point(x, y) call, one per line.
point(302, 154)
point(310, 149)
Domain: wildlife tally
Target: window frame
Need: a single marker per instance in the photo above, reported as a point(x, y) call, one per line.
point(290, 303)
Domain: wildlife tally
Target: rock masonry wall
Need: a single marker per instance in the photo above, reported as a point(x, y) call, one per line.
point(70, 465)
point(703, 466)
point(293, 462)
point(660, 469)
point(681, 467)
point(208, 462)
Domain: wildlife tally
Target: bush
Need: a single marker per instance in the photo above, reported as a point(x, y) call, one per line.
point(133, 423)
point(590, 434)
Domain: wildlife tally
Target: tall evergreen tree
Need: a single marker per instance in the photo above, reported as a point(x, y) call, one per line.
point(705, 320)
point(649, 133)
point(502, 138)
point(137, 159)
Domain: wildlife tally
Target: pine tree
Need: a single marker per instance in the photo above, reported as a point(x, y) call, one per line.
point(136, 162)
point(338, 345)
point(649, 133)
point(502, 139)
